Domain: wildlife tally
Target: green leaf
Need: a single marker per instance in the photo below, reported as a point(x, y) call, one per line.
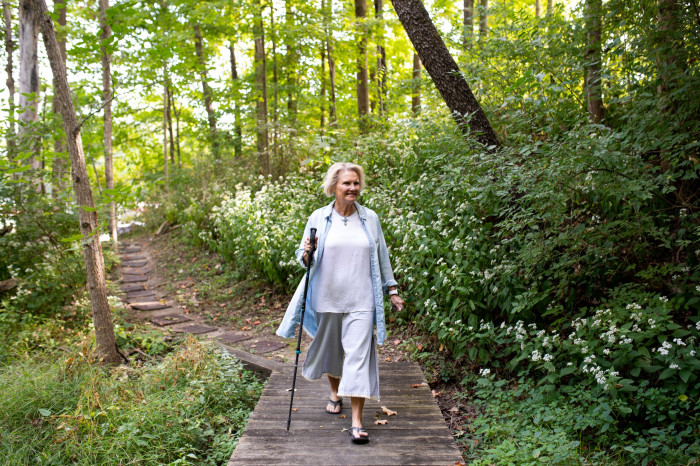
point(683, 397)
point(44, 412)
point(567, 370)
point(685, 375)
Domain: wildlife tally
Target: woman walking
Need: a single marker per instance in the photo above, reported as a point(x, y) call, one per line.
point(349, 275)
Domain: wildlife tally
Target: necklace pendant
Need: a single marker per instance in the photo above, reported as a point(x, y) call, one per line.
point(345, 221)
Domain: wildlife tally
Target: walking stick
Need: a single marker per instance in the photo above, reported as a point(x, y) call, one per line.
point(312, 239)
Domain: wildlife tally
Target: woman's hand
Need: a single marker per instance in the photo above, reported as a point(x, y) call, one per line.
point(307, 249)
point(397, 303)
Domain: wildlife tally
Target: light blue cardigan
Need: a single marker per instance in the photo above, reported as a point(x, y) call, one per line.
point(380, 268)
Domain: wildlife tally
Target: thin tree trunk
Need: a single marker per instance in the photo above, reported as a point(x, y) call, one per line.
point(9, 50)
point(291, 65)
point(444, 71)
point(177, 132)
point(58, 170)
point(261, 88)
point(538, 8)
point(362, 78)
point(206, 91)
point(171, 141)
point(29, 86)
point(381, 56)
point(165, 130)
point(594, 96)
point(332, 108)
point(669, 59)
point(105, 37)
point(237, 142)
point(483, 19)
point(323, 84)
point(275, 125)
point(92, 249)
point(550, 7)
point(468, 21)
point(415, 94)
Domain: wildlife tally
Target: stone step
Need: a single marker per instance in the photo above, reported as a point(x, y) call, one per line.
point(195, 329)
point(134, 263)
point(169, 319)
point(133, 287)
point(134, 278)
point(149, 306)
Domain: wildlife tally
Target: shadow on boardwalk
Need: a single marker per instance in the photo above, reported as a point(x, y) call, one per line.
point(416, 435)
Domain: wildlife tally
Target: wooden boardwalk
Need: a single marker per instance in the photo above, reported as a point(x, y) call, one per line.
point(416, 435)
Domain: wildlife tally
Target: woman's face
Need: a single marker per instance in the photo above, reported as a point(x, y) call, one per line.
point(348, 187)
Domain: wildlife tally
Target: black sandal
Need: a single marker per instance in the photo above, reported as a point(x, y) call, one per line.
point(335, 405)
point(361, 440)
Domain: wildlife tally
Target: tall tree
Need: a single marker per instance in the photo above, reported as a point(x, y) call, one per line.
point(328, 21)
point(87, 214)
point(291, 65)
point(275, 113)
point(468, 20)
point(59, 143)
point(29, 84)
point(238, 132)
point(444, 71)
point(9, 49)
point(362, 77)
point(166, 171)
point(538, 8)
point(381, 56)
point(415, 93)
point(483, 19)
point(206, 91)
point(669, 59)
point(593, 11)
point(550, 7)
point(105, 38)
point(261, 91)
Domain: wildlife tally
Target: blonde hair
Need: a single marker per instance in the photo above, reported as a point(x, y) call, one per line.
point(333, 173)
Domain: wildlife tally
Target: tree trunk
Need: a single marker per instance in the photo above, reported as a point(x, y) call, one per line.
point(381, 56)
point(538, 8)
point(165, 129)
point(206, 91)
point(444, 71)
point(550, 7)
point(29, 86)
point(177, 132)
point(9, 49)
point(669, 58)
point(323, 84)
point(483, 19)
point(415, 95)
point(58, 169)
point(275, 118)
point(594, 97)
point(168, 113)
point(332, 108)
point(92, 249)
point(237, 142)
point(261, 88)
point(291, 65)
point(362, 78)
point(105, 36)
point(468, 21)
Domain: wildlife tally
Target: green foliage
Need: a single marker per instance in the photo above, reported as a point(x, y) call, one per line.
point(189, 408)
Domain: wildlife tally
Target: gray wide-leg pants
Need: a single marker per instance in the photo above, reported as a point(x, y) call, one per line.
point(353, 334)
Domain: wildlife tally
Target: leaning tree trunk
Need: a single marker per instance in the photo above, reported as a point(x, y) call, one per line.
point(594, 95)
point(238, 138)
point(362, 78)
point(206, 91)
point(9, 49)
point(261, 88)
point(29, 85)
point(105, 36)
point(59, 143)
point(444, 71)
point(415, 94)
point(87, 214)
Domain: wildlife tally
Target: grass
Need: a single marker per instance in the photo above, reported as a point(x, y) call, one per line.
point(190, 407)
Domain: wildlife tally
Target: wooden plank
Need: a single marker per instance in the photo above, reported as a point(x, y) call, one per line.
point(416, 435)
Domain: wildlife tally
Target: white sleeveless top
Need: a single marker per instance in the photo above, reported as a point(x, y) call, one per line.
point(343, 281)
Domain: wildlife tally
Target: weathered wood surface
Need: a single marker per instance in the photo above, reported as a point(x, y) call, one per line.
point(416, 435)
